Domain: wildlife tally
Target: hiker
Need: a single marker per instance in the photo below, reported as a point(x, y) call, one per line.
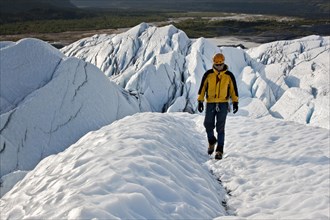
point(217, 85)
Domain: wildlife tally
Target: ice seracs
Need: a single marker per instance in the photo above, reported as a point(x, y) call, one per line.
point(297, 73)
point(148, 57)
point(145, 60)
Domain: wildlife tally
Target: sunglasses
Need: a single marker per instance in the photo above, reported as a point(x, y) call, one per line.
point(219, 64)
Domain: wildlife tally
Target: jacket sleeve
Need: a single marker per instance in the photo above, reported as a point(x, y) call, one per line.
point(233, 89)
point(202, 88)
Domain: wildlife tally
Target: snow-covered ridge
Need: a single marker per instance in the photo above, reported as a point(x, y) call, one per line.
point(140, 167)
point(48, 101)
point(165, 66)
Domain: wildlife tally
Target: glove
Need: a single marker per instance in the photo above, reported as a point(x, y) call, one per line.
point(200, 107)
point(235, 107)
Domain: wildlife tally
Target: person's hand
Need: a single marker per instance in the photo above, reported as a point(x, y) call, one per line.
point(235, 107)
point(200, 107)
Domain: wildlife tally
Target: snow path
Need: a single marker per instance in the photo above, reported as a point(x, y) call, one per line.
point(275, 169)
point(155, 166)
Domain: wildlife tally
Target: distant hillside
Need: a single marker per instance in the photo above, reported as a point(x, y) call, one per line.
point(301, 8)
point(35, 10)
point(14, 6)
point(54, 16)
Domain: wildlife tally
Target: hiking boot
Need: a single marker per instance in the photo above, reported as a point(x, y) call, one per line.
point(218, 155)
point(210, 150)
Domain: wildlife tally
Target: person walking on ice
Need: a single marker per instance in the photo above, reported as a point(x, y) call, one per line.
point(217, 85)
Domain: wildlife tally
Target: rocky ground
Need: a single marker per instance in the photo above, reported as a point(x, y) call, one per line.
point(60, 39)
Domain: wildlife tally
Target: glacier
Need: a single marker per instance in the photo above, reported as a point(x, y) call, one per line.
point(51, 98)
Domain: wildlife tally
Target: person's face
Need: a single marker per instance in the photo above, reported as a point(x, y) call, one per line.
point(219, 67)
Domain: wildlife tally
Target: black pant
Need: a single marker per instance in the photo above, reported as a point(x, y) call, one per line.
point(220, 114)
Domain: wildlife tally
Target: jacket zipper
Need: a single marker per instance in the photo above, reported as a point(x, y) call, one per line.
point(219, 87)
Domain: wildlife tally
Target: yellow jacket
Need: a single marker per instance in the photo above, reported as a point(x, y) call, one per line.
point(218, 86)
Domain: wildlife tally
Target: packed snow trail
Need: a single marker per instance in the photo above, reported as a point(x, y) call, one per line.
point(155, 166)
point(275, 169)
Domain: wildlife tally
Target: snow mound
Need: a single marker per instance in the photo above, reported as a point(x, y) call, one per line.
point(23, 70)
point(144, 166)
point(48, 101)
